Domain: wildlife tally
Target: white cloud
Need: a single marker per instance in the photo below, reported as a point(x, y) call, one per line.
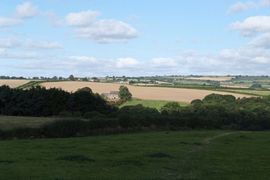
point(106, 31)
point(83, 18)
point(241, 6)
point(83, 59)
point(263, 41)
point(247, 5)
point(6, 21)
point(262, 60)
point(264, 3)
point(2, 51)
point(19, 55)
point(246, 60)
point(164, 62)
point(43, 45)
point(26, 10)
point(127, 63)
point(100, 30)
point(8, 43)
point(253, 25)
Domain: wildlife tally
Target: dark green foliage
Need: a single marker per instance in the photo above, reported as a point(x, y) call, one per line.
point(39, 101)
point(256, 86)
point(71, 78)
point(85, 101)
point(171, 107)
point(124, 93)
point(138, 116)
point(91, 114)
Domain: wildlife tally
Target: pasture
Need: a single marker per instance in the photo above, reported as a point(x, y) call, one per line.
point(251, 92)
point(153, 155)
point(146, 93)
point(13, 122)
point(148, 103)
point(13, 83)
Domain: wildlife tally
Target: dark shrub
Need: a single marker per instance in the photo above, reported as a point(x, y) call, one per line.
point(93, 114)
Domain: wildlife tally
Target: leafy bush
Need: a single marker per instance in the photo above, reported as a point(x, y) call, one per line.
point(124, 93)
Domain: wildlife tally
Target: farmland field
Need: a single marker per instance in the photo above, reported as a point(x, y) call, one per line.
point(13, 83)
point(211, 78)
point(153, 155)
point(146, 93)
point(253, 92)
point(148, 103)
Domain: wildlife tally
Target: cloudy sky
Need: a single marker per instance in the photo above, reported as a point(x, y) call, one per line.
point(127, 37)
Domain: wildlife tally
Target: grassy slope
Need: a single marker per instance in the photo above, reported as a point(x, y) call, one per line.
point(10, 122)
point(155, 155)
point(148, 103)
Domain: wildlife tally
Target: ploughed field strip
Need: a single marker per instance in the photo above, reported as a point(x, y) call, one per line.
point(152, 155)
point(146, 93)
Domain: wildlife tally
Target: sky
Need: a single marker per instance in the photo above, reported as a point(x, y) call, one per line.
point(134, 38)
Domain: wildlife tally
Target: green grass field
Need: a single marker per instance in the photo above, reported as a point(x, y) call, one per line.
point(252, 92)
point(12, 122)
point(149, 103)
point(152, 155)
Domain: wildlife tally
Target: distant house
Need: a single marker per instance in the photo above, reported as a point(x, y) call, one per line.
point(111, 96)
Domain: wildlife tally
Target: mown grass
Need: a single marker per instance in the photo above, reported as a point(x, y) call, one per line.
point(149, 103)
point(153, 155)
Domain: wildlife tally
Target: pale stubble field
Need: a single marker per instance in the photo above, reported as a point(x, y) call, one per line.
point(147, 93)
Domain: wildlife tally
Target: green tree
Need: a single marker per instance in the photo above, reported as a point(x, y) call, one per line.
point(171, 107)
point(71, 78)
point(256, 86)
point(124, 93)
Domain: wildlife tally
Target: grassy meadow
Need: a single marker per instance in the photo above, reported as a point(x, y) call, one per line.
point(149, 103)
point(251, 92)
point(152, 155)
point(13, 122)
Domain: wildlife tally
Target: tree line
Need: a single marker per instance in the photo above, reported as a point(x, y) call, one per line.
point(85, 113)
point(39, 101)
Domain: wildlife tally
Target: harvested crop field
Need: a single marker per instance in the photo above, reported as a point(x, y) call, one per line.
point(13, 83)
point(147, 93)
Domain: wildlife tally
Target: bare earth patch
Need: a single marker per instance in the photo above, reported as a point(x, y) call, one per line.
point(148, 93)
point(13, 83)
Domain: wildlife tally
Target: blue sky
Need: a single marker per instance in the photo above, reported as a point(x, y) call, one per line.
point(124, 37)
